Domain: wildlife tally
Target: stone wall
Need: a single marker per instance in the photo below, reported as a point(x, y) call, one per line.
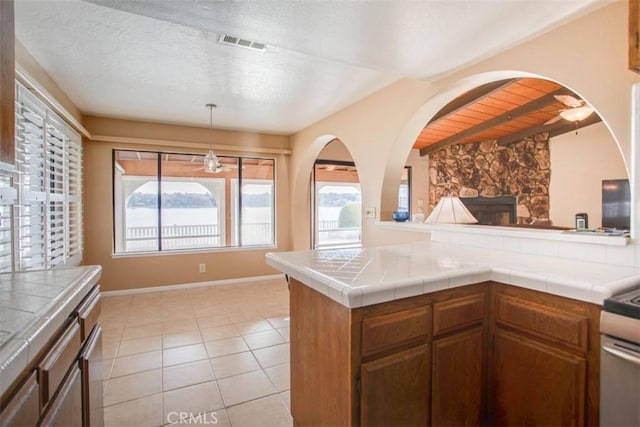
point(486, 169)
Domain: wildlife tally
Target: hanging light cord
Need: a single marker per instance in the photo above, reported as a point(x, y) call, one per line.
point(211, 107)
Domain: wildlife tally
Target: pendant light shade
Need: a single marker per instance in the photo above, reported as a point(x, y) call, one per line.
point(211, 160)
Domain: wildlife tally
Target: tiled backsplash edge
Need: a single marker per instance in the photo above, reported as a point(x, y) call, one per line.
point(614, 252)
point(628, 255)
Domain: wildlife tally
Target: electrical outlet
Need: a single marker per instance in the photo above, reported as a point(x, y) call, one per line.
point(371, 212)
point(203, 268)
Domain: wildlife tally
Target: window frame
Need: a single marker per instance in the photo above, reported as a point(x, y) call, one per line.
point(315, 237)
point(235, 187)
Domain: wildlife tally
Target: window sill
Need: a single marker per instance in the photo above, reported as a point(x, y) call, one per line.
point(193, 251)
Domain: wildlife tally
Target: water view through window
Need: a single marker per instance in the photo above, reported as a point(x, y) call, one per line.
point(337, 205)
point(167, 202)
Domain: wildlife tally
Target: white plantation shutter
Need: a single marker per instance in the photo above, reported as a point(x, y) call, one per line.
point(30, 176)
point(8, 197)
point(55, 166)
point(74, 197)
point(48, 213)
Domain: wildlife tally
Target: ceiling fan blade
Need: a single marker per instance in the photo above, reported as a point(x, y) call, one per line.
point(569, 100)
point(553, 120)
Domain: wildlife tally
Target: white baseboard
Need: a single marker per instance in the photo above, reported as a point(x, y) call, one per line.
point(191, 285)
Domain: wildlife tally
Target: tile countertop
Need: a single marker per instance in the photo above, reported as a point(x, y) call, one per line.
point(360, 277)
point(33, 306)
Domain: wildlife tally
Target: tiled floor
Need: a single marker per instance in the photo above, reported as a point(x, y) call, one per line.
point(216, 356)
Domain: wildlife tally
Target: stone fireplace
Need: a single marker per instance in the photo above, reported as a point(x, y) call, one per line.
point(489, 172)
point(492, 210)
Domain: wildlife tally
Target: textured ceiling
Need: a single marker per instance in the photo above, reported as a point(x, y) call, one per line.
point(159, 60)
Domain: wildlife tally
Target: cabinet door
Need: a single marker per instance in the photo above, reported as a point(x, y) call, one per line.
point(395, 389)
point(91, 367)
point(536, 384)
point(23, 409)
point(456, 393)
point(65, 409)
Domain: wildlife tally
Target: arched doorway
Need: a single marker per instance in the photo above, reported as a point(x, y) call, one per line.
point(581, 161)
point(336, 199)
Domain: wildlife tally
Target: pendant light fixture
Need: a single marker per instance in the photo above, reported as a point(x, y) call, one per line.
point(211, 160)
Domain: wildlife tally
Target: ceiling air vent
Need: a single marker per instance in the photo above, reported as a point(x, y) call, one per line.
point(237, 41)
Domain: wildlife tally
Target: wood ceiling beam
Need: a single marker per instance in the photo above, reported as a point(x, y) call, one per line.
point(523, 110)
point(554, 129)
point(470, 97)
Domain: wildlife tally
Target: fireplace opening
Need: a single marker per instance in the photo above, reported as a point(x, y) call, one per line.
point(492, 210)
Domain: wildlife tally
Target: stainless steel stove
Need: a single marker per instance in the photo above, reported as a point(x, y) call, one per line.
point(620, 360)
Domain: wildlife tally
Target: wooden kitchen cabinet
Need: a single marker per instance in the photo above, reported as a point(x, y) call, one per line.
point(395, 389)
point(65, 408)
point(57, 360)
point(63, 385)
point(394, 375)
point(536, 384)
point(634, 35)
point(24, 408)
point(483, 354)
point(458, 360)
point(457, 379)
point(7, 82)
point(545, 359)
point(92, 373)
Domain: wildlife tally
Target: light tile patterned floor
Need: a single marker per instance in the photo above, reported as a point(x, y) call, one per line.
point(215, 356)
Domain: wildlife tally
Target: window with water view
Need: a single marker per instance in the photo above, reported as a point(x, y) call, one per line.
point(167, 202)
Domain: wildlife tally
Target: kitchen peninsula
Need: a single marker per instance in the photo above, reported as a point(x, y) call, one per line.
point(441, 334)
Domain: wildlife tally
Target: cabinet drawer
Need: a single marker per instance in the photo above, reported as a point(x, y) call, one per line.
point(543, 321)
point(458, 313)
point(65, 409)
point(385, 332)
point(89, 311)
point(57, 361)
point(23, 408)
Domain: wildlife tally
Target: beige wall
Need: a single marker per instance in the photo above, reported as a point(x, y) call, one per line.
point(588, 55)
point(419, 182)
point(579, 163)
point(131, 271)
point(335, 150)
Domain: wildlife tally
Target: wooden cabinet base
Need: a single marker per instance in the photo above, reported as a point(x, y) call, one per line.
point(484, 354)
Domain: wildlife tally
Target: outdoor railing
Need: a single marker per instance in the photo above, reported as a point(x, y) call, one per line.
point(206, 235)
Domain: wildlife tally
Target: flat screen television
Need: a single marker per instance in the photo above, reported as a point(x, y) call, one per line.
point(616, 204)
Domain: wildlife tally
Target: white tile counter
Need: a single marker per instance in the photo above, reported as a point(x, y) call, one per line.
point(33, 305)
point(366, 276)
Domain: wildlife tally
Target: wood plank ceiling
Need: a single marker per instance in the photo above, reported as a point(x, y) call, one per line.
point(505, 111)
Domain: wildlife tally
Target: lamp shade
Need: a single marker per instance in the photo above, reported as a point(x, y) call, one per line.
point(451, 210)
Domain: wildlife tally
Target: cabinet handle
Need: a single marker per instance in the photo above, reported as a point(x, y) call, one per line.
point(621, 354)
